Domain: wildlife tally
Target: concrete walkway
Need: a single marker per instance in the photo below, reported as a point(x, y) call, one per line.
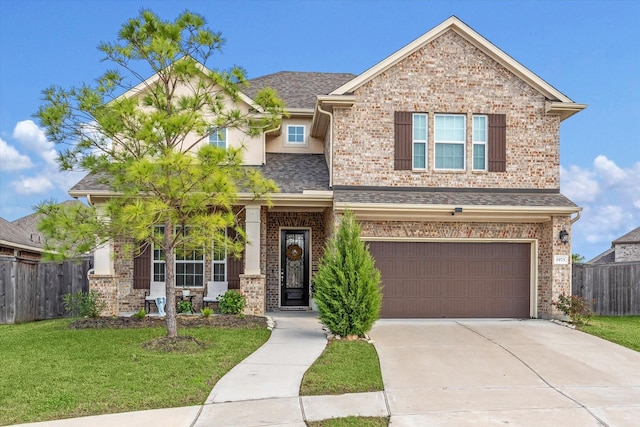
point(261, 391)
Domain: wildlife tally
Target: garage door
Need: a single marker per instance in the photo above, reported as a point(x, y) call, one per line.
point(429, 279)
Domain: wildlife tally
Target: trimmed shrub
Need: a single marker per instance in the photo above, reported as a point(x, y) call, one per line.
point(347, 286)
point(232, 302)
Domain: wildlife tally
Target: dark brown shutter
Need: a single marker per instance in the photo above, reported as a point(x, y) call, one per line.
point(403, 129)
point(235, 266)
point(497, 142)
point(142, 268)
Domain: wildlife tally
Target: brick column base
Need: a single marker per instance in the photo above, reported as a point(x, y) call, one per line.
point(106, 286)
point(253, 286)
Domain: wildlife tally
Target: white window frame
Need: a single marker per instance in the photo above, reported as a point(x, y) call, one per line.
point(424, 142)
point(215, 140)
point(437, 142)
point(222, 262)
point(296, 143)
point(479, 143)
point(156, 261)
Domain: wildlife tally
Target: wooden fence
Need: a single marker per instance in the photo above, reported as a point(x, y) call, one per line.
point(32, 290)
point(614, 287)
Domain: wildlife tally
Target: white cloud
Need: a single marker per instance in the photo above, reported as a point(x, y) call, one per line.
point(609, 171)
point(610, 197)
point(34, 139)
point(578, 184)
point(11, 159)
point(34, 185)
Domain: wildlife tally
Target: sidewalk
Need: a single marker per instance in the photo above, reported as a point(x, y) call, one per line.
point(261, 391)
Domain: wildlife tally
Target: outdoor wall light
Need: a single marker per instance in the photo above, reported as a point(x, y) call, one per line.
point(456, 210)
point(564, 236)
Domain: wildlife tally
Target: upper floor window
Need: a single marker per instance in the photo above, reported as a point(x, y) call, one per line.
point(218, 138)
point(412, 141)
point(419, 141)
point(295, 134)
point(480, 137)
point(449, 135)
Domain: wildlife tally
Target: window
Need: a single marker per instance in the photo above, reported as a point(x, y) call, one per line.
point(219, 264)
point(158, 260)
point(189, 265)
point(420, 141)
point(295, 134)
point(218, 138)
point(480, 136)
point(450, 131)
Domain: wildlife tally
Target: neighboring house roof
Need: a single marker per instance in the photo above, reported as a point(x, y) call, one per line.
point(606, 257)
point(609, 256)
point(631, 237)
point(298, 89)
point(13, 236)
point(29, 223)
point(558, 102)
point(292, 173)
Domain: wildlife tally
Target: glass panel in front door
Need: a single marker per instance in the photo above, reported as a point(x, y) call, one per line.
point(295, 287)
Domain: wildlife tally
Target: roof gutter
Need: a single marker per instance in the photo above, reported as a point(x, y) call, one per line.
point(471, 213)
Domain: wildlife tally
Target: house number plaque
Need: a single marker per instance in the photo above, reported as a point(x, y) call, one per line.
point(561, 259)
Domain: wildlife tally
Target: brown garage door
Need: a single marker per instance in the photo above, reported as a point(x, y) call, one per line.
point(429, 279)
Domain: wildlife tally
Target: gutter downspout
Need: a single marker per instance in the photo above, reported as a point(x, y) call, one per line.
point(264, 141)
point(577, 217)
point(320, 110)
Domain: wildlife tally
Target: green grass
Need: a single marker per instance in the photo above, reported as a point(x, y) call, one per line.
point(351, 422)
point(50, 372)
point(343, 367)
point(623, 330)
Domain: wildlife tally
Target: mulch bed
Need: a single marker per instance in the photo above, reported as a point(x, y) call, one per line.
point(185, 321)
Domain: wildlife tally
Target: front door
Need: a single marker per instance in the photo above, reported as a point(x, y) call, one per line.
point(294, 268)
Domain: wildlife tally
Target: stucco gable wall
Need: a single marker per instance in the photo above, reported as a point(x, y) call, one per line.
point(253, 146)
point(448, 75)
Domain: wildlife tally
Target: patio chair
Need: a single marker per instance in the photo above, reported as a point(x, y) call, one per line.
point(157, 290)
point(214, 291)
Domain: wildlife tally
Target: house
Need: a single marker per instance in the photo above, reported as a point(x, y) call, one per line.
point(624, 249)
point(447, 151)
point(18, 243)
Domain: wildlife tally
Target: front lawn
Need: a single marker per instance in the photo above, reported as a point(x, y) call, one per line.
point(623, 330)
point(48, 371)
point(343, 367)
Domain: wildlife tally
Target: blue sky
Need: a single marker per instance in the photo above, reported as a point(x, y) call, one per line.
point(589, 50)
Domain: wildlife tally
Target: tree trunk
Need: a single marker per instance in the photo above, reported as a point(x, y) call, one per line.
point(170, 280)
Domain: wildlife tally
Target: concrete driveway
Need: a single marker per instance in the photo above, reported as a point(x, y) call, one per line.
point(504, 372)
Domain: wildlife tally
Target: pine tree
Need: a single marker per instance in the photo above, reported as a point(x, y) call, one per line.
point(347, 285)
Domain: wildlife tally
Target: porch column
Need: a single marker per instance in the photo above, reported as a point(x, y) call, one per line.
point(252, 248)
point(102, 256)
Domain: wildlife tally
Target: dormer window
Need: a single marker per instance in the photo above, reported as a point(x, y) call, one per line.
point(218, 138)
point(296, 135)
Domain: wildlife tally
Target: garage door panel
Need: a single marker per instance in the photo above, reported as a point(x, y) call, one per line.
point(443, 279)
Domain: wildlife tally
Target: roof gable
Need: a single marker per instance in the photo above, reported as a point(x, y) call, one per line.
point(631, 237)
point(558, 103)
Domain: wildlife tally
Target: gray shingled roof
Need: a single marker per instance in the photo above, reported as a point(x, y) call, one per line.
point(456, 197)
point(631, 237)
point(293, 173)
point(14, 234)
point(29, 223)
point(299, 89)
